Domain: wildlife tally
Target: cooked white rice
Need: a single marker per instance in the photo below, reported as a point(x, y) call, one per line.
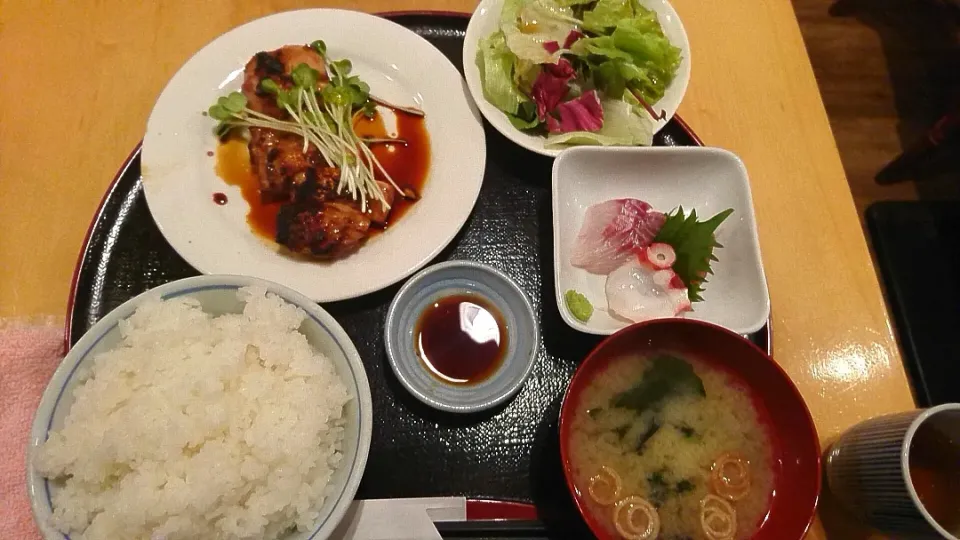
point(197, 426)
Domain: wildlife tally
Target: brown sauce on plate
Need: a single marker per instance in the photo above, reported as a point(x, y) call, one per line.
point(220, 198)
point(233, 166)
point(407, 165)
point(461, 339)
point(935, 474)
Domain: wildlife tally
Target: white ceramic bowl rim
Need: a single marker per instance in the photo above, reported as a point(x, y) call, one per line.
point(43, 421)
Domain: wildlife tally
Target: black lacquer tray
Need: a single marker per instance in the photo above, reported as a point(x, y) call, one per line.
point(510, 453)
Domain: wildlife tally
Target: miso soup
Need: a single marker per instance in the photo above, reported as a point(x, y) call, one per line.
point(669, 447)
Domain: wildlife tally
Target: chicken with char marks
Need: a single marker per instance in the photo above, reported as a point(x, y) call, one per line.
point(315, 218)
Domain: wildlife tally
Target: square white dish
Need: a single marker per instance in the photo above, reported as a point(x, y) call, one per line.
point(709, 180)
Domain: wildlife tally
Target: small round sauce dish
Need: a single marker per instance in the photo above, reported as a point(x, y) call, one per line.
point(461, 337)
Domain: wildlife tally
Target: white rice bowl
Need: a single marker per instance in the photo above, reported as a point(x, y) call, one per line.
point(199, 426)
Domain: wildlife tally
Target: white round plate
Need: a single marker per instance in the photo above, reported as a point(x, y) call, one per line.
point(401, 67)
point(486, 20)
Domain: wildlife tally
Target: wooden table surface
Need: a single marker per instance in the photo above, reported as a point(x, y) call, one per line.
point(79, 79)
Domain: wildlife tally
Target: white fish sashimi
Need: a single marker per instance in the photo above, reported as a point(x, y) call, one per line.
point(637, 292)
point(612, 231)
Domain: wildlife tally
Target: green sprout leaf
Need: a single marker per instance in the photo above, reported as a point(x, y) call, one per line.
point(359, 91)
point(358, 98)
point(270, 86)
point(341, 69)
point(369, 109)
point(320, 47)
point(337, 96)
point(287, 98)
point(218, 112)
point(228, 106)
point(344, 66)
point(305, 77)
point(235, 102)
point(355, 82)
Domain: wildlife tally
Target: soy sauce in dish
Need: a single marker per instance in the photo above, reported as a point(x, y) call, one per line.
point(461, 339)
point(935, 474)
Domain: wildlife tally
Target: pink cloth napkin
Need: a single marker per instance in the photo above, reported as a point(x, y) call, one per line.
point(29, 353)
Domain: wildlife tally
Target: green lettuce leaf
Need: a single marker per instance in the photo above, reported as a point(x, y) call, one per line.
point(655, 59)
point(638, 107)
point(608, 76)
point(622, 126)
point(646, 81)
point(606, 14)
point(645, 59)
point(646, 43)
point(525, 74)
point(528, 24)
point(526, 117)
point(496, 64)
point(645, 20)
point(547, 17)
point(510, 12)
point(522, 124)
point(602, 46)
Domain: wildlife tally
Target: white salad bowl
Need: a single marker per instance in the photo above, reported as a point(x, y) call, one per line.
point(218, 295)
point(485, 21)
point(708, 180)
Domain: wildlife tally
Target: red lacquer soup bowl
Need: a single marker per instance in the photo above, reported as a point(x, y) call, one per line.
point(795, 447)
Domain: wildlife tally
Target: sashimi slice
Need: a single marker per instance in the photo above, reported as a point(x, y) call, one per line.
point(612, 232)
point(638, 292)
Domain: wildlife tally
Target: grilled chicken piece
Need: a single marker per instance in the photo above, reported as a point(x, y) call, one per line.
point(277, 65)
point(328, 230)
point(376, 211)
point(321, 187)
point(278, 160)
